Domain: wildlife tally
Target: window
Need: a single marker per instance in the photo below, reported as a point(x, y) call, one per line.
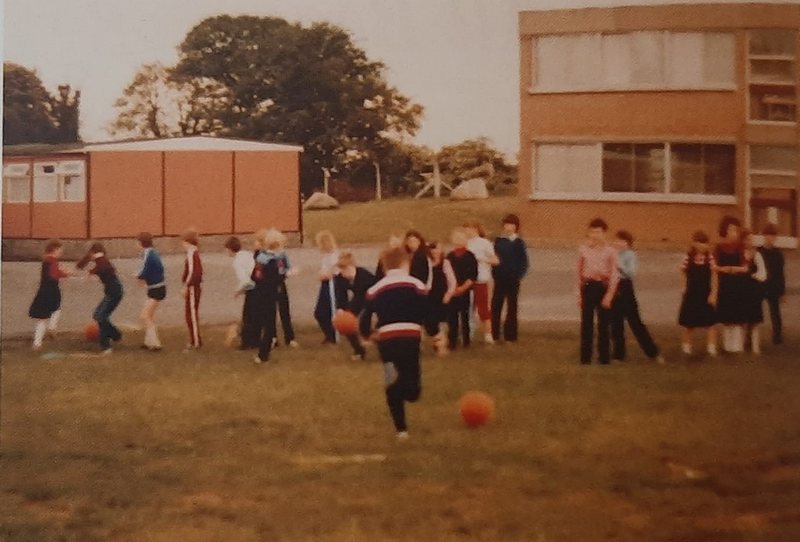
point(702, 169)
point(636, 171)
point(773, 188)
point(635, 61)
point(16, 183)
point(45, 182)
point(72, 181)
point(772, 75)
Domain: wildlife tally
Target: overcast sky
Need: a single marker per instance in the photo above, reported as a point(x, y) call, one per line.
point(458, 58)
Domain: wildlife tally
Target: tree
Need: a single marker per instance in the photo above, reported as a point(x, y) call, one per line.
point(31, 114)
point(307, 85)
point(158, 104)
point(475, 158)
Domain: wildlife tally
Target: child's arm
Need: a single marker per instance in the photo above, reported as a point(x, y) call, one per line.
point(526, 262)
point(712, 296)
point(613, 281)
point(761, 268)
point(579, 290)
point(450, 278)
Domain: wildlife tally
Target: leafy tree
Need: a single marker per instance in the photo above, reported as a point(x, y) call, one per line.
point(158, 104)
point(475, 158)
point(31, 114)
point(307, 85)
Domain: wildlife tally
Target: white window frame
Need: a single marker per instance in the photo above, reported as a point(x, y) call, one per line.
point(666, 67)
point(749, 77)
point(17, 171)
point(71, 168)
point(647, 197)
point(52, 176)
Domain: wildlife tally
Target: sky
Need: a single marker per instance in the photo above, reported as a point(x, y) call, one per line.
point(458, 58)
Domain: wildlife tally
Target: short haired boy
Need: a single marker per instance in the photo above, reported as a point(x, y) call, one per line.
point(152, 275)
point(400, 303)
point(775, 286)
point(512, 267)
point(350, 287)
point(598, 277)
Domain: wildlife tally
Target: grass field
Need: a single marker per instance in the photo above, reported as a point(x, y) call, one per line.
point(373, 222)
point(165, 447)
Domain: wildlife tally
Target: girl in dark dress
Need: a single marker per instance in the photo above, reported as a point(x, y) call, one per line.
point(699, 294)
point(753, 290)
point(420, 266)
point(112, 294)
point(46, 305)
point(733, 276)
point(442, 286)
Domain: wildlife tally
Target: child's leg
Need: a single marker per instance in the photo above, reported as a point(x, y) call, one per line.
point(686, 340)
point(52, 324)
point(402, 358)
point(755, 339)
point(498, 299)
point(603, 329)
point(587, 322)
point(149, 322)
point(481, 293)
point(639, 330)
point(511, 327)
point(250, 321)
point(101, 317)
point(711, 340)
point(323, 312)
point(617, 316)
point(465, 327)
point(192, 317)
point(285, 314)
point(38, 333)
point(452, 325)
point(775, 319)
point(355, 343)
point(267, 329)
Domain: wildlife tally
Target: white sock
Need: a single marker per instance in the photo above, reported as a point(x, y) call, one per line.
point(737, 334)
point(53, 323)
point(687, 348)
point(712, 349)
point(151, 336)
point(755, 341)
point(726, 338)
point(38, 333)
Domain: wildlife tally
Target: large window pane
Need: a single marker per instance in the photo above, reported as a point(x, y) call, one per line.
point(719, 59)
point(551, 63)
point(73, 188)
point(767, 158)
point(687, 169)
point(686, 54)
point(649, 168)
point(17, 189)
point(551, 167)
point(703, 169)
point(45, 182)
point(617, 60)
point(568, 168)
point(720, 168)
point(772, 71)
point(773, 42)
point(584, 61)
point(648, 59)
point(618, 168)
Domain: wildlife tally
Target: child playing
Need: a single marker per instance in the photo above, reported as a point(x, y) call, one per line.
point(326, 300)
point(266, 277)
point(775, 286)
point(733, 276)
point(192, 278)
point(483, 250)
point(420, 266)
point(112, 295)
point(396, 239)
point(752, 295)
point(465, 269)
point(625, 307)
point(399, 300)
point(442, 287)
point(152, 275)
point(598, 276)
point(512, 266)
point(699, 288)
point(356, 281)
point(46, 305)
point(284, 270)
point(243, 265)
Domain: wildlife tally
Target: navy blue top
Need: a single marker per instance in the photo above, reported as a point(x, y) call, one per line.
point(513, 256)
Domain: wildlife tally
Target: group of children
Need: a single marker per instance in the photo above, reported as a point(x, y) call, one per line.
point(726, 286)
point(417, 286)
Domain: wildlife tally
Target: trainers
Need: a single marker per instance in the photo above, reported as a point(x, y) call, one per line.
point(402, 436)
point(359, 357)
point(274, 342)
point(294, 344)
point(488, 339)
point(712, 350)
point(107, 352)
point(659, 359)
point(686, 349)
point(389, 374)
point(258, 361)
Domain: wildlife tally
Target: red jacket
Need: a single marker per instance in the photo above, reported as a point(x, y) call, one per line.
point(192, 269)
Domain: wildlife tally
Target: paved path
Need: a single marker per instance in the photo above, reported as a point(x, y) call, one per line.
point(547, 292)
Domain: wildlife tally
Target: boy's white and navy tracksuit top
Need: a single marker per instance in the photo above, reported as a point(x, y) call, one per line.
point(152, 273)
point(400, 301)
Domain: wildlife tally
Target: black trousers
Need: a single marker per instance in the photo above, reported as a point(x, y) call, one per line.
point(250, 320)
point(265, 309)
point(458, 318)
point(284, 313)
point(505, 292)
point(626, 309)
point(592, 293)
point(775, 318)
point(403, 353)
point(354, 341)
point(323, 312)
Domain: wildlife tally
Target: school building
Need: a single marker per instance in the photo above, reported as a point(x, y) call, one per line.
point(164, 186)
point(661, 119)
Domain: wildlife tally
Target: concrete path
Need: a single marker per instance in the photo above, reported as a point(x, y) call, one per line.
point(547, 292)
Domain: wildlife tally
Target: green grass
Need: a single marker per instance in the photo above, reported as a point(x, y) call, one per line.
point(164, 447)
point(373, 222)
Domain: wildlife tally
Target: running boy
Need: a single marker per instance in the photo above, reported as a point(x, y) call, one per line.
point(513, 264)
point(775, 286)
point(465, 269)
point(192, 278)
point(46, 305)
point(399, 300)
point(356, 281)
point(152, 275)
point(625, 307)
point(112, 295)
point(597, 284)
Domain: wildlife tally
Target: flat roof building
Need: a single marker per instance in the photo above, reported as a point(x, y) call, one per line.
point(661, 119)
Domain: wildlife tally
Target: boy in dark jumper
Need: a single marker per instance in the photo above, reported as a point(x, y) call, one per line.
point(400, 302)
point(775, 285)
point(465, 268)
point(513, 256)
point(355, 280)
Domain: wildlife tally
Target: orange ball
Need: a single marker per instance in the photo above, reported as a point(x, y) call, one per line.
point(346, 323)
point(91, 332)
point(477, 408)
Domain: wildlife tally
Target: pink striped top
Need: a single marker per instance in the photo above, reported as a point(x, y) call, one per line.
point(598, 263)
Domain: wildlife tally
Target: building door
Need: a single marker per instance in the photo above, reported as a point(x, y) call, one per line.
point(774, 186)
